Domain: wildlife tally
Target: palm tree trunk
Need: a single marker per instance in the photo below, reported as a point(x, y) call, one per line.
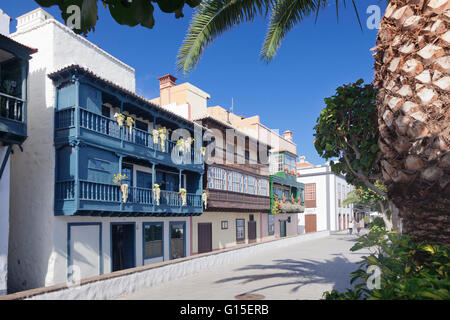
point(412, 64)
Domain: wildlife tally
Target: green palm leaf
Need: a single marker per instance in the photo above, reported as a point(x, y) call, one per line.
point(286, 14)
point(212, 18)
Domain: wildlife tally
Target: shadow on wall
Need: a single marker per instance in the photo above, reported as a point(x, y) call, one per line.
point(32, 186)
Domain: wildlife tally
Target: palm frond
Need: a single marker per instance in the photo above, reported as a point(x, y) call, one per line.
point(286, 14)
point(212, 18)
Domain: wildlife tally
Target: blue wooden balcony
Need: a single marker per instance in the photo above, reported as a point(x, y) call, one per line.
point(98, 130)
point(12, 119)
point(106, 199)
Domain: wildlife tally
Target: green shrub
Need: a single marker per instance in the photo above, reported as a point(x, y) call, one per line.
point(378, 221)
point(409, 269)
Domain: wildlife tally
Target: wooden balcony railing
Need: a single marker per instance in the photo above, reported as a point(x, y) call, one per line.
point(11, 108)
point(111, 193)
point(65, 119)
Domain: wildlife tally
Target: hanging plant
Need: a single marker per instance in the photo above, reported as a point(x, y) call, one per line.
point(120, 118)
point(182, 194)
point(188, 143)
point(286, 170)
point(205, 198)
point(203, 151)
point(293, 172)
point(180, 145)
point(298, 174)
point(155, 134)
point(292, 199)
point(130, 123)
point(156, 193)
point(123, 186)
point(163, 136)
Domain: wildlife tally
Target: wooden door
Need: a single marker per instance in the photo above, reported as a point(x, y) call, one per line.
point(310, 223)
point(204, 237)
point(282, 228)
point(340, 223)
point(251, 231)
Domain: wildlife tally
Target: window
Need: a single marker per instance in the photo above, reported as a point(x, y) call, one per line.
point(251, 185)
point(277, 192)
point(237, 182)
point(141, 125)
point(276, 163)
point(240, 230)
point(153, 240)
point(263, 187)
point(245, 184)
point(290, 163)
point(217, 179)
point(310, 195)
point(224, 225)
point(310, 191)
point(230, 180)
point(106, 111)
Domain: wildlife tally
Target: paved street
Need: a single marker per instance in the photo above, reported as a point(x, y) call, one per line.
point(300, 271)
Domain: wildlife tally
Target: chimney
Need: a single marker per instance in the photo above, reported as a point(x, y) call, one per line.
point(165, 84)
point(302, 159)
point(288, 135)
point(5, 20)
point(31, 19)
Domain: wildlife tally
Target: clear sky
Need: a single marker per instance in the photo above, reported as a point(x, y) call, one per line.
point(287, 94)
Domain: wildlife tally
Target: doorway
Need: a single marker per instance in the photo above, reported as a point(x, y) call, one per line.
point(123, 246)
point(204, 232)
point(251, 231)
point(177, 240)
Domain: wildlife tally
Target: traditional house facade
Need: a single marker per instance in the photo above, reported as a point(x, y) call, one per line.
point(325, 193)
point(14, 60)
point(236, 181)
point(103, 185)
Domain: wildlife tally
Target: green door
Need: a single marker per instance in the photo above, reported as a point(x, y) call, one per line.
point(282, 228)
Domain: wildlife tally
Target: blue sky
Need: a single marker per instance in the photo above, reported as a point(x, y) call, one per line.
point(288, 93)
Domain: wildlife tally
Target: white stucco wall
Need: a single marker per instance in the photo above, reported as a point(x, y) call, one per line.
point(39, 242)
point(123, 285)
point(4, 23)
point(326, 219)
point(4, 221)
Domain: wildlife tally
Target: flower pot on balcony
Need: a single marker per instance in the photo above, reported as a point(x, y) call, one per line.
point(120, 118)
point(182, 194)
point(155, 134)
point(129, 124)
point(156, 193)
point(205, 198)
point(124, 189)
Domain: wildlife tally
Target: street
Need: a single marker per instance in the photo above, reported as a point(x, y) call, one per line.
point(300, 271)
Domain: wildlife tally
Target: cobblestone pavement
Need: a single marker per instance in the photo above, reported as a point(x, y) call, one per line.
point(300, 271)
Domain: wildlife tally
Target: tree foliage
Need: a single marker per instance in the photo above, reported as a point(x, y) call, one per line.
point(214, 17)
point(367, 197)
point(347, 130)
point(408, 269)
point(125, 12)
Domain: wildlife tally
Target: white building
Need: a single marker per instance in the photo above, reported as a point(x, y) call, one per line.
point(324, 195)
point(44, 244)
point(13, 126)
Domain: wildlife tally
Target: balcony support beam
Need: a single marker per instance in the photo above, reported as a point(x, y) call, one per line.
point(5, 159)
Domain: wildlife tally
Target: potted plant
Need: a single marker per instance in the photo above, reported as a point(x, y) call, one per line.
point(293, 172)
point(298, 174)
point(205, 198)
point(130, 123)
point(156, 193)
point(155, 134)
point(180, 145)
point(203, 151)
point(163, 135)
point(182, 194)
point(120, 118)
point(123, 186)
point(188, 143)
point(286, 170)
